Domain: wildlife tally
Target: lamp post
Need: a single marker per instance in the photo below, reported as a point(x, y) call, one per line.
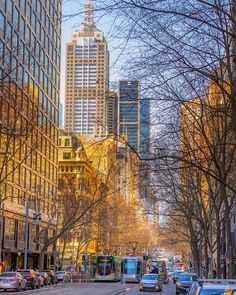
point(1, 209)
point(26, 235)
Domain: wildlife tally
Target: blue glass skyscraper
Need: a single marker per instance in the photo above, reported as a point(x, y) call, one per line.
point(129, 112)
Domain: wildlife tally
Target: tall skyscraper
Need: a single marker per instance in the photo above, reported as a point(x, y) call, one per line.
point(145, 125)
point(30, 36)
point(87, 62)
point(129, 112)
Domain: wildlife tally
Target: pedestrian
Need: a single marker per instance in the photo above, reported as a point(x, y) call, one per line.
point(214, 274)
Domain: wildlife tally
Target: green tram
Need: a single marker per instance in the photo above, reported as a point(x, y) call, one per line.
point(107, 268)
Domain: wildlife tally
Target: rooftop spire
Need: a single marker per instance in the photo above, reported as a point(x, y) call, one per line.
point(88, 23)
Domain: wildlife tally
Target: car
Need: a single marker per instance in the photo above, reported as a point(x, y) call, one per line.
point(176, 275)
point(32, 280)
point(41, 278)
point(151, 282)
point(53, 277)
point(193, 289)
point(184, 282)
point(13, 281)
point(213, 287)
point(63, 276)
point(46, 278)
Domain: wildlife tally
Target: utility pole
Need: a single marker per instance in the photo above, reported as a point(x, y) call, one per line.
point(26, 235)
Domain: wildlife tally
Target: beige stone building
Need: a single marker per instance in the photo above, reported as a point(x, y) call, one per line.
point(87, 62)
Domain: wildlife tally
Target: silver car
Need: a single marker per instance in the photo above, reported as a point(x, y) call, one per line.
point(12, 280)
point(151, 282)
point(62, 276)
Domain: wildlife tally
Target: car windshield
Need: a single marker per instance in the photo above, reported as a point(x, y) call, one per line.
point(177, 273)
point(187, 277)
point(217, 291)
point(150, 277)
point(8, 274)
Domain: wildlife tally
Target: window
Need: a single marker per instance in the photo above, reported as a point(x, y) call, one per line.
point(66, 156)
point(10, 225)
point(21, 230)
point(67, 142)
point(2, 23)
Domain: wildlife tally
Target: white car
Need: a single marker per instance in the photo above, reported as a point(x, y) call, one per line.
point(13, 281)
point(151, 282)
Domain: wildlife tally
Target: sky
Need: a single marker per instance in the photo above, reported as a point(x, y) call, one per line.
point(105, 23)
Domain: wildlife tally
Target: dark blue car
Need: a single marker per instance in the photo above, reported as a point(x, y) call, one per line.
point(184, 282)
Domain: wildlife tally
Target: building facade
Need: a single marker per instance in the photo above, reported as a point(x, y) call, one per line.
point(78, 183)
point(30, 36)
point(145, 126)
point(87, 70)
point(129, 112)
point(112, 112)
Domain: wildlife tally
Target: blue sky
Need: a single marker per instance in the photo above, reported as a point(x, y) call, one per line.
point(105, 23)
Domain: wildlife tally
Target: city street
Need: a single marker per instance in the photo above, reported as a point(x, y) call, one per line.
point(93, 289)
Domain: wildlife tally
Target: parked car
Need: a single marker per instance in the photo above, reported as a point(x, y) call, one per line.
point(12, 280)
point(46, 278)
point(213, 287)
point(52, 276)
point(31, 277)
point(41, 279)
point(63, 276)
point(193, 289)
point(184, 282)
point(176, 275)
point(151, 282)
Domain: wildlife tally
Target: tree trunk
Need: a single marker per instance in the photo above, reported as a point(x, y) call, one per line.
point(206, 257)
point(218, 248)
point(63, 254)
point(41, 260)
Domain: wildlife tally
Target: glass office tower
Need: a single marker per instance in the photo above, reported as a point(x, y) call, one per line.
point(30, 36)
point(129, 112)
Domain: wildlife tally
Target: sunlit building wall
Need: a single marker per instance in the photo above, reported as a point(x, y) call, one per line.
point(30, 52)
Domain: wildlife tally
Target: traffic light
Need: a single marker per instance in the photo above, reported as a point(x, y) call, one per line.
point(37, 218)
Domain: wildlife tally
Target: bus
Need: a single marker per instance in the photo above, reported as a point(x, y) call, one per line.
point(107, 268)
point(133, 268)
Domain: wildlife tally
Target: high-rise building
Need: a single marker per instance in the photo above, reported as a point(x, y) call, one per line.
point(87, 62)
point(129, 112)
point(145, 126)
point(61, 116)
point(112, 112)
point(30, 36)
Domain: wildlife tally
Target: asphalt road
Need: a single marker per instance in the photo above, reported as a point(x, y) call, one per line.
point(93, 289)
point(168, 289)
